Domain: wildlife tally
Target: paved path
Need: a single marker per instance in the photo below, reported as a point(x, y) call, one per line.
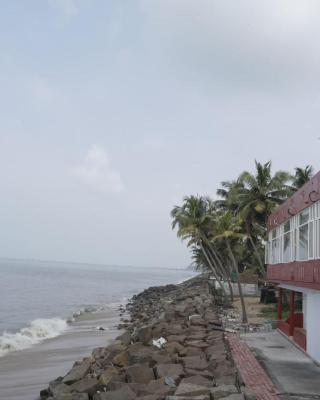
point(294, 374)
point(252, 373)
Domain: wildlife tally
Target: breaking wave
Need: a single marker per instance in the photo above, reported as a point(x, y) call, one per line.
point(38, 330)
point(84, 310)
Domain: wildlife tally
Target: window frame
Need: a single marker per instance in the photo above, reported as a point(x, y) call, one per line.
point(309, 217)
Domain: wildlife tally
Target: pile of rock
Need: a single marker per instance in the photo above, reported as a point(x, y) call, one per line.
point(191, 361)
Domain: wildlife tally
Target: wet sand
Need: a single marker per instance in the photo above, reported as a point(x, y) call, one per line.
point(24, 373)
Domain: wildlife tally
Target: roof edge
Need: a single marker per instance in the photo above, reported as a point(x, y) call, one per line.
point(303, 198)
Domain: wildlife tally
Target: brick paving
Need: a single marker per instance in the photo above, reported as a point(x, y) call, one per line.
point(253, 375)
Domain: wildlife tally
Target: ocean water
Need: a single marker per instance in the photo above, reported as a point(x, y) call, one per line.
point(38, 298)
point(50, 314)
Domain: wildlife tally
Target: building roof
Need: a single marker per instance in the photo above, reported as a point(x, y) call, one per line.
point(308, 194)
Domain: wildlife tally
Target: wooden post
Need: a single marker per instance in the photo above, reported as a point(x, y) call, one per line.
point(292, 297)
point(280, 295)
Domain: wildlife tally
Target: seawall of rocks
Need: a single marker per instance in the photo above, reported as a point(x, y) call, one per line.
point(173, 348)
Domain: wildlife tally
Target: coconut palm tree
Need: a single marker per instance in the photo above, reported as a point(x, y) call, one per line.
point(216, 251)
point(193, 221)
point(258, 194)
point(228, 193)
point(229, 232)
point(302, 176)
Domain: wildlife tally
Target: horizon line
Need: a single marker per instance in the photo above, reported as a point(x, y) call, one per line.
point(89, 263)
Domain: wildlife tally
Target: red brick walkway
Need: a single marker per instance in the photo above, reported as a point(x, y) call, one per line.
point(252, 373)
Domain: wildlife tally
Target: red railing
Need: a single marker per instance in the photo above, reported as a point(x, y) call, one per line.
point(299, 334)
point(300, 337)
point(297, 319)
point(284, 327)
point(303, 274)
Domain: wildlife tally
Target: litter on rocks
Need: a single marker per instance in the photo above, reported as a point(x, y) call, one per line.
point(159, 342)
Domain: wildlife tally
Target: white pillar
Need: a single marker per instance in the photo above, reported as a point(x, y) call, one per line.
point(304, 309)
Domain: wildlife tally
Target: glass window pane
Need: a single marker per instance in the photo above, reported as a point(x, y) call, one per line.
point(296, 244)
point(311, 240)
point(287, 247)
point(303, 242)
point(277, 250)
point(273, 251)
point(274, 233)
point(287, 226)
point(304, 216)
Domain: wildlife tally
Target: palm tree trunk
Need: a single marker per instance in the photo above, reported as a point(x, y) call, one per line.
point(226, 273)
point(213, 270)
point(229, 269)
point(262, 268)
point(218, 263)
point(235, 264)
point(255, 249)
point(230, 289)
point(219, 268)
point(223, 273)
point(216, 256)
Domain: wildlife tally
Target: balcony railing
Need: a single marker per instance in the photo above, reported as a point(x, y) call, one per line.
point(302, 273)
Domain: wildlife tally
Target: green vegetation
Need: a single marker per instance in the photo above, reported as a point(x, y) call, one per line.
point(302, 176)
point(269, 313)
point(227, 235)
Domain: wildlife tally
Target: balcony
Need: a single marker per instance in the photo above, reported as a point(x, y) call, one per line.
point(299, 273)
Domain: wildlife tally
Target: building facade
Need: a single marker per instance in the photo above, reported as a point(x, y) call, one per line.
point(293, 258)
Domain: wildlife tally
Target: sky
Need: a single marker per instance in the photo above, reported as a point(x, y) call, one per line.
point(112, 110)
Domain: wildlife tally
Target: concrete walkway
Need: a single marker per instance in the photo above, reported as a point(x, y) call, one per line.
point(252, 373)
point(294, 374)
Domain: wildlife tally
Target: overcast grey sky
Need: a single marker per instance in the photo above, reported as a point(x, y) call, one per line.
point(111, 111)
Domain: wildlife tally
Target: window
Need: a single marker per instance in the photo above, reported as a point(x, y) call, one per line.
point(287, 247)
point(303, 235)
point(311, 239)
point(274, 251)
point(303, 243)
point(304, 216)
point(296, 239)
point(287, 242)
point(275, 246)
point(287, 226)
point(295, 247)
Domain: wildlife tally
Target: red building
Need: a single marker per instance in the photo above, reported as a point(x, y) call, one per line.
point(293, 258)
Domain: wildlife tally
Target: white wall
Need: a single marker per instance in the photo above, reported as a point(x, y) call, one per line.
point(313, 323)
point(305, 309)
point(248, 289)
point(311, 317)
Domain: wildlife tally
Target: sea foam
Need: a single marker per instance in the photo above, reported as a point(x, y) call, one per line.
point(38, 330)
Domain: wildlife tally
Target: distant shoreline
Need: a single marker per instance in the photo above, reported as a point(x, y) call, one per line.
point(39, 261)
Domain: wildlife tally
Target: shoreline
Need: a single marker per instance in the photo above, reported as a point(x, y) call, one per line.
point(41, 329)
point(173, 346)
point(48, 327)
point(24, 373)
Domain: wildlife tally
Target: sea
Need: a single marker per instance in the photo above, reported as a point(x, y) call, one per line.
point(54, 313)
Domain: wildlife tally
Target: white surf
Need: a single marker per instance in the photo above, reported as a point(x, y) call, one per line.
point(38, 330)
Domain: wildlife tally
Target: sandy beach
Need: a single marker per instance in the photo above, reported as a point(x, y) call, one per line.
point(24, 373)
